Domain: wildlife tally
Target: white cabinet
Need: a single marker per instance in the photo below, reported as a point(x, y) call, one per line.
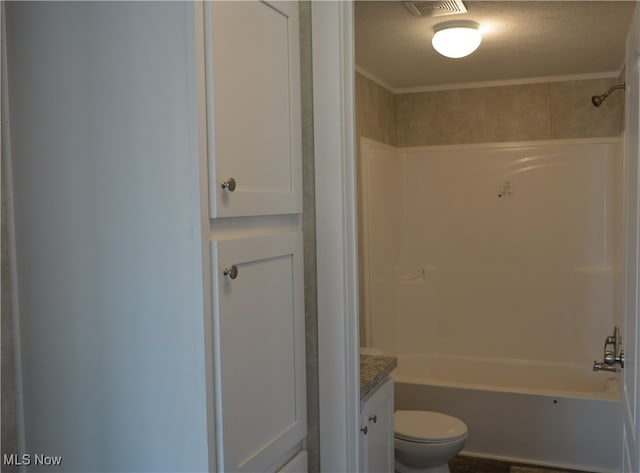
point(254, 111)
point(162, 362)
point(254, 163)
point(299, 464)
point(258, 307)
point(376, 430)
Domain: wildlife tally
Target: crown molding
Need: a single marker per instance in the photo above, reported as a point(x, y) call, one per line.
point(375, 79)
point(495, 83)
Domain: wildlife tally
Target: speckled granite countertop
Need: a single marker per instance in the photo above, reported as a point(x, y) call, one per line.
point(373, 371)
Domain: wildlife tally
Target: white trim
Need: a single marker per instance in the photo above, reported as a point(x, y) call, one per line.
point(202, 196)
point(11, 241)
point(493, 83)
point(630, 392)
point(336, 235)
point(509, 82)
point(2, 69)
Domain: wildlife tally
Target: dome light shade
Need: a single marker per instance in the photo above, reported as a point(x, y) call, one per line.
point(456, 39)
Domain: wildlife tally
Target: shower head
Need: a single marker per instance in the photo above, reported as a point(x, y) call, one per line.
point(597, 100)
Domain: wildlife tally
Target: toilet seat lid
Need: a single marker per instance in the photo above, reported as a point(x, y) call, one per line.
point(426, 426)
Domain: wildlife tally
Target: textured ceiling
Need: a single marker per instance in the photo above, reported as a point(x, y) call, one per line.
point(521, 40)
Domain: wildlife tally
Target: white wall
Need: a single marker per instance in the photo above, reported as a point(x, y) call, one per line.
point(109, 276)
point(529, 276)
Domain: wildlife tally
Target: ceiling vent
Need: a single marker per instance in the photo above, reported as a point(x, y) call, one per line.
point(447, 7)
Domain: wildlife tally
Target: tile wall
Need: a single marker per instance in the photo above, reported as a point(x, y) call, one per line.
point(545, 111)
point(375, 111)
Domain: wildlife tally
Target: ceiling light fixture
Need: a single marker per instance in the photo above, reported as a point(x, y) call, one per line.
point(456, 39)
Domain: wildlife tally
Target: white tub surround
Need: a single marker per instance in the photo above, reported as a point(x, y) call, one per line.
point(508, 250)
point(494, 272)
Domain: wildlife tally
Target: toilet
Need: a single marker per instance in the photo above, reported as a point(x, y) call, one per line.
point(425, 441)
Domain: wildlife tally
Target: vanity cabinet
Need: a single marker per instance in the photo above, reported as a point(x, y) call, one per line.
point(376, 430)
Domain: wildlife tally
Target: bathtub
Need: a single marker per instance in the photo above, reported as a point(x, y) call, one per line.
point(551, 414)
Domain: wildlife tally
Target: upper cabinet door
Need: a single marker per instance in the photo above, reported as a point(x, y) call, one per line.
point(253, 108)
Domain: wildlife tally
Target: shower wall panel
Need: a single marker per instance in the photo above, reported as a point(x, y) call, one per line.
point(380, 203)
point(518, 245)
point(503, 250)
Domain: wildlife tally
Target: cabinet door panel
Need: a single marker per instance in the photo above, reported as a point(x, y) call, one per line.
point(261, 378)
point(255, 108)
point(377, 414)
point(297, 465)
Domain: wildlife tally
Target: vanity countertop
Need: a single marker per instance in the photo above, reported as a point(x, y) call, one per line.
point(374, 370)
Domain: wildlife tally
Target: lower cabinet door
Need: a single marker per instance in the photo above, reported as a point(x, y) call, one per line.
point(259, 327)
point(299, 464)
point(376, 414)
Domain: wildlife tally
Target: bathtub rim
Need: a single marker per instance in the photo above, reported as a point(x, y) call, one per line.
point(612, 393)
point(409, 150)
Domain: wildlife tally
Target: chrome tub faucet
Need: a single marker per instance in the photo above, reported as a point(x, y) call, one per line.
point(613, 353)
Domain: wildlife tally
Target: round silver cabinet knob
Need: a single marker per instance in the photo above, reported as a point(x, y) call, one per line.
point(229, 184)
point(232, 272)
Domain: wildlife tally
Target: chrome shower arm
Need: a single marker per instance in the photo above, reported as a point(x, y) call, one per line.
point(597, 100)
point(615, 87)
